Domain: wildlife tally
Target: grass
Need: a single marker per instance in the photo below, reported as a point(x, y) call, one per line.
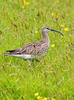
point(53, 76)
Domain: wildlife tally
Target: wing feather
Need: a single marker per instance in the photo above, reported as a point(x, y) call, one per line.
point(34, 48)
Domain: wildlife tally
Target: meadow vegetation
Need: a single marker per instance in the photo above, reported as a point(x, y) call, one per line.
point(21, 23)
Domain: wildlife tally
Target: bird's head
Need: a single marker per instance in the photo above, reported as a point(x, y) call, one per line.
point(47, 29)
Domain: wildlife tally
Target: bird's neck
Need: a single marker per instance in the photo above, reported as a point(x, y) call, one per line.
point(45, 37)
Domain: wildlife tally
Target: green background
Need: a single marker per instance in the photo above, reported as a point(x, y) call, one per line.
point(53, 76)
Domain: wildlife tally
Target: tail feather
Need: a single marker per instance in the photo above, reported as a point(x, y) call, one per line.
point(10, 52)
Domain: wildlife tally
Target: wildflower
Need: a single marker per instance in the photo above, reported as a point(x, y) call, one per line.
point(22, 6)
point(38, 97)
point(53, 98)
point(66, 29)
point(61, 25)
point(52, 14)
point(53, 45)
point(36, 94)
point(45, 98)
point(26, 3)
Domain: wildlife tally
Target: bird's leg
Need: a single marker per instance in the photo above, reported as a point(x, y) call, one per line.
point(37, 60)
point(29, 60)
point(32, 60)
point(25, 59)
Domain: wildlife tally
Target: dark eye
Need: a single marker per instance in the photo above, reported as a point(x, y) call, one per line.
point(48, 28)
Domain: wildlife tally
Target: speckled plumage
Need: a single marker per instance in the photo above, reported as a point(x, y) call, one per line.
point(34, 49)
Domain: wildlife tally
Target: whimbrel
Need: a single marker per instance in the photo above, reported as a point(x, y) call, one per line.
point(35, 49)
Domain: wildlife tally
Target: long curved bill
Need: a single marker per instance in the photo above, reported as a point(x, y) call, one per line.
point(57, 31)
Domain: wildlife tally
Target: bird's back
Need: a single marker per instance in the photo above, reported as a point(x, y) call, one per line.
point(35, 48)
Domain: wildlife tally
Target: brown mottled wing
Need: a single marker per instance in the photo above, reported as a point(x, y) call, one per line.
point(35, 48)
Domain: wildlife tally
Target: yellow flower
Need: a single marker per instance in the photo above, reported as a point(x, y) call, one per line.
point(52, 14)
point(66, 29)
point(36, 94)
point(61, 25)
point(45, 98)
point(38, 97)
point(26, 3)
point(53, 98)
point(22, 6)
point(53, 45)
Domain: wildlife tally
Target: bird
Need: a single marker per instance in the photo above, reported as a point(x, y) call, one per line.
point(33, 51)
